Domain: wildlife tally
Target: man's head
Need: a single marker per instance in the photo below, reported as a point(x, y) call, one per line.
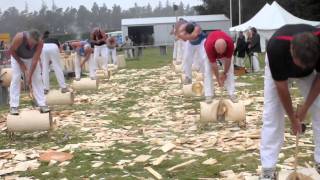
point(253, 30)
point(220, 46)
point(46, 34)
point(34, 35)
point(190, 28)
point(305, 50)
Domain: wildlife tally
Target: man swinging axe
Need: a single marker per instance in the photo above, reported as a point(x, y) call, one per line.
point(293, 54)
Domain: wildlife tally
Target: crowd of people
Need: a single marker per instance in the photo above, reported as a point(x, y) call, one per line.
point(249, 46)
point(293, 54)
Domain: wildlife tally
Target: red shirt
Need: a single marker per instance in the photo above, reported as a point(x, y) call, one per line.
point(211, 51)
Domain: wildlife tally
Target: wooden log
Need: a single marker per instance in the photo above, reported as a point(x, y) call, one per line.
point(85, 84)
point(305, 173)
point(234, 111)
point(197, 88)
point(121, 61)
point(29, 120)
point(5, 77)
point(208, 112)
point(56, 97)
point(177, 68)
point(187, 90)
point(112, 68)
point(194, 89)
point(103, 74)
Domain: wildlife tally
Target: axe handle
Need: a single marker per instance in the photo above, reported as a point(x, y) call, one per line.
point(296, 153)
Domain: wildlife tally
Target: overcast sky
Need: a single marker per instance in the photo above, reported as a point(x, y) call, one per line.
point(125, 4)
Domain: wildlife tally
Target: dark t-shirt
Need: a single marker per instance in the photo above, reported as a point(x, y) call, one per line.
point(281, 63)
point(52, 41)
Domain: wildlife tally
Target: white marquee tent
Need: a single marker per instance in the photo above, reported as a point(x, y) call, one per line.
point(269, 19)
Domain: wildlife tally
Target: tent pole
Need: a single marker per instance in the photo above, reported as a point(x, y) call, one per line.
point(239, 11)
point(231, 12)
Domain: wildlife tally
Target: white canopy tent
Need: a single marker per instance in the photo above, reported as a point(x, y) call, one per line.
point(269, 19)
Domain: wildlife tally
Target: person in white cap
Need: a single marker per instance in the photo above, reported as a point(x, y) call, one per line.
point(293, 54)
point(25, 51)
point(85, 50)
point(51, 53)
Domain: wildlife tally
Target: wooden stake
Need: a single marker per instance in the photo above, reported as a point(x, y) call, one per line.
point(182, 164)
point(153, 172)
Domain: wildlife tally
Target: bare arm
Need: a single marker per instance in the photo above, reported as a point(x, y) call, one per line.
point(215, 71)
point(227, 64)
point(17, 41)
point(285, 98)
point(88, 52)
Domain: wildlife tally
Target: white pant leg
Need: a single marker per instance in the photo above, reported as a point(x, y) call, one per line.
point(229, 84)
point(305, 86)
point(92, 67)
point(15, 85)
point(130, 53)
point(56, 64)
point(45, 60)
point(77, 65)
point(255, 62)
point(239, 61)
point(272, 133)
point(179, 51)
point(175, 46)
point(206, 70)
point(188, 59)
point(101, 52)
point(114, 56)
point(37, 85)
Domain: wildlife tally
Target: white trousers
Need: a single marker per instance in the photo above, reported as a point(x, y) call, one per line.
point(100, 55)
point(229, 84)
point(113, 53)
point(180, 50)
point(272, 134)
point(255, 62)
point(175, 46)
point(77, 66)
point(196, 54)
point(128, 53)
point(15, 87)
point(239, 61)
point(50, 52)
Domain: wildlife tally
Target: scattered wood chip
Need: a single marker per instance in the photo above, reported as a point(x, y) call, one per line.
point(97, 164)
point(182, 164)
point(168, 147)
point(210, 161)
point(54, 155)
point(153, 172)
point(142, 158)
point(159, 160)
point(227, 173)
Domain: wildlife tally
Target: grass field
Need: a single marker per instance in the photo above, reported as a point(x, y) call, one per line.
point(142, 82)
